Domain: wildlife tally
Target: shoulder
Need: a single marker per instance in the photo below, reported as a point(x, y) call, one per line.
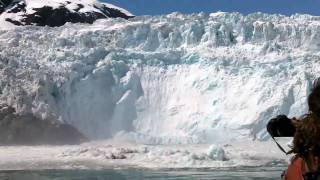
point(295, 170)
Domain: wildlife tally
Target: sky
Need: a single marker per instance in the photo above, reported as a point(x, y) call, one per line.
point(157, 7)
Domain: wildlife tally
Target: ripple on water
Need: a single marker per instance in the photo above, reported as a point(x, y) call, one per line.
point(138, 174)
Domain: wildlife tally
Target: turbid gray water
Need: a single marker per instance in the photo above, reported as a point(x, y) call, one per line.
point(138, 174)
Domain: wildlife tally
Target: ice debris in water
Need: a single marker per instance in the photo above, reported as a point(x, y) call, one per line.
point(216, 153)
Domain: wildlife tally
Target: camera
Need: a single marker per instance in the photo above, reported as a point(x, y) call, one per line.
point(281, 126)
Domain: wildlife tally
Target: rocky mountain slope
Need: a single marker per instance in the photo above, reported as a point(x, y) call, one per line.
point(26, 129)
point(56, 12)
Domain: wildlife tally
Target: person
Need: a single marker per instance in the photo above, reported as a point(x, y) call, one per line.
point(305, 164)
point(282, 126)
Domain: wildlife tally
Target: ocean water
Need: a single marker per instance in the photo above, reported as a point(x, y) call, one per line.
point(138, 174)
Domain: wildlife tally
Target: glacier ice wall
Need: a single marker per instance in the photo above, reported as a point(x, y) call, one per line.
point(166, 79)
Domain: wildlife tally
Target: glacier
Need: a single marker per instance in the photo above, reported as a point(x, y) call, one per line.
point(171, 79)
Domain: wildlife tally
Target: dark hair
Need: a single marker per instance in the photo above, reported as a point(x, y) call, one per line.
point(306, 142)
point(316, 83)
point(307, 137)
point(314, 101)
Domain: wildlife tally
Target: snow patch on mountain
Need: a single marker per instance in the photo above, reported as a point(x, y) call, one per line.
point(119, 8)
point(56, 12)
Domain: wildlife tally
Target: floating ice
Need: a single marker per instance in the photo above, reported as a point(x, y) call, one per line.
point(105, 154)
point(216, 153)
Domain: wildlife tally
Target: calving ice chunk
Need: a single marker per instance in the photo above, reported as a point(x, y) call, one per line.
point(173, 79)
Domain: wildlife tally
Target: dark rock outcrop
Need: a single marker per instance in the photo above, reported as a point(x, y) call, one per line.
point(4, 4)
point(18, 129)
point(58, 15)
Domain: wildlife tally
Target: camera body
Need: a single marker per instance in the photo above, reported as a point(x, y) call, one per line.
point(281, 126)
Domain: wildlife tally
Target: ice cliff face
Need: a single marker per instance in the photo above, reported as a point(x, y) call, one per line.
point(56, 12)
point(165, 79)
